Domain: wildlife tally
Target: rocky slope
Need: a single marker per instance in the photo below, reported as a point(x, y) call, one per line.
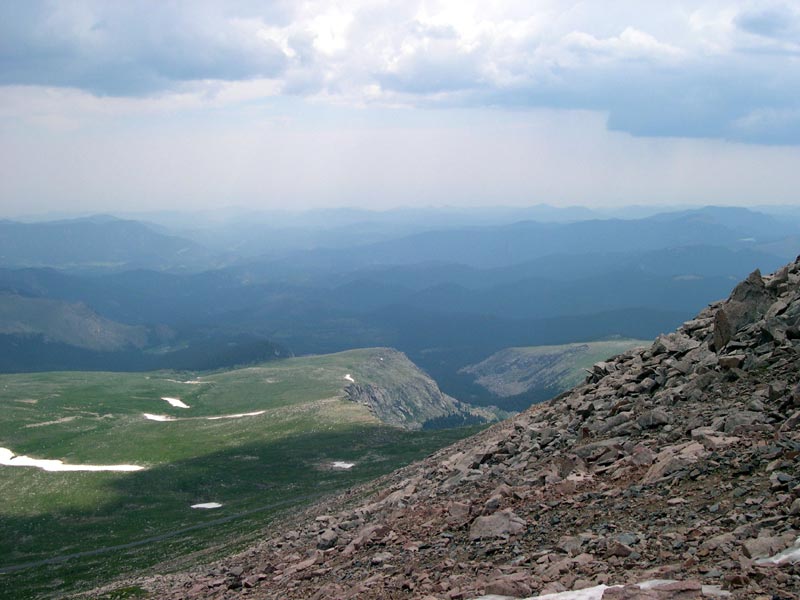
point(676, 462)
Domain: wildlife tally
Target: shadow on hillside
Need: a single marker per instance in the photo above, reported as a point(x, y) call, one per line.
point(152, 509)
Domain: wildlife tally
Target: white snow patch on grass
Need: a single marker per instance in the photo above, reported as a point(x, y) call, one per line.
point(176, 402)
point(790, 555)
point(237, 416)
point(8, 459)
point(207, 505)
point(349, 378)
point(158, 417)
point(164, 418)
point(340, 464)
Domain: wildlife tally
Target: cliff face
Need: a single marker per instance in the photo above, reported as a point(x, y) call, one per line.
point(399, 393)
point(408, 406)
point(678, 461)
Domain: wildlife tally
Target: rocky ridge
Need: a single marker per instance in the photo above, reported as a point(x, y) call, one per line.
point(676, 462)
point(399, 393)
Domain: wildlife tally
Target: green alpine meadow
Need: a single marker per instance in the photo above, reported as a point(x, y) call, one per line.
point(245, 445)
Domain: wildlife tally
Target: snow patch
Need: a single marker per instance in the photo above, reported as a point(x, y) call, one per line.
point(596, 593)
point(190, 381)
point(237, 416)
point(593, 593)
point(790, 555)
point(176, 402)
point(8, 459)
point(158, 417)
point(340, 464)
point(349, 378)
point(164, 418)
point(207, 505)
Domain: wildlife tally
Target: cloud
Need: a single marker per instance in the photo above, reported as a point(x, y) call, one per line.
point(704, 68)
point(131, 49)
point(630, 44)
point(778, 21)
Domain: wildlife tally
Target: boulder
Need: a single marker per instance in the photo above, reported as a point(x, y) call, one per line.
point(722, 330)
point(501, 524)
point(327, 539)
point(653, 419)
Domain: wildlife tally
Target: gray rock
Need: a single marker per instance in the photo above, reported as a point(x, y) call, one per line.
point(765, 546)
point(653, 419)
point(570, 544)
point(381, 557)
point(628, 539)
point(502, 524)
point(741, 418)
point(722, 330)
point(459, 511)
point(615, 548)
point(674, 343)
point(327, 539)
point(513, 585)
point(731, 361)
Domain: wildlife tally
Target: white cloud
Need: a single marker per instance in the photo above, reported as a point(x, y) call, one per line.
point(541, 53)
point(630, 44)
point(318, 103)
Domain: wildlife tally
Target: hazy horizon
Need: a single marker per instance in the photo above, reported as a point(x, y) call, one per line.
point(540, 211)
point(201, 105)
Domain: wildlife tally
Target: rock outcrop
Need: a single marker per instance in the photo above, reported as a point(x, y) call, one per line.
point(677, 463)
point(401, 394)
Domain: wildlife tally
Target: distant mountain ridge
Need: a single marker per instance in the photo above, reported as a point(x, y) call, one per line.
point(95, 243)
point(448, 297)
point(514, 371)
point(43, 334)
point(65, 323)
point(496, 246)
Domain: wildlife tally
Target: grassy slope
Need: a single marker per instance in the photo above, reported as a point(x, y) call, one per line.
point(247, 464)
point(517, 370)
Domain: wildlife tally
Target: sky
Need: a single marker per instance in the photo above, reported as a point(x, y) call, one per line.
point(150, 105)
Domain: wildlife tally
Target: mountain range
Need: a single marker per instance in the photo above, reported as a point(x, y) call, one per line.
point(435, 284)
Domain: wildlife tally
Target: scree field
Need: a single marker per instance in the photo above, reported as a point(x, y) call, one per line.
point(256, 441)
